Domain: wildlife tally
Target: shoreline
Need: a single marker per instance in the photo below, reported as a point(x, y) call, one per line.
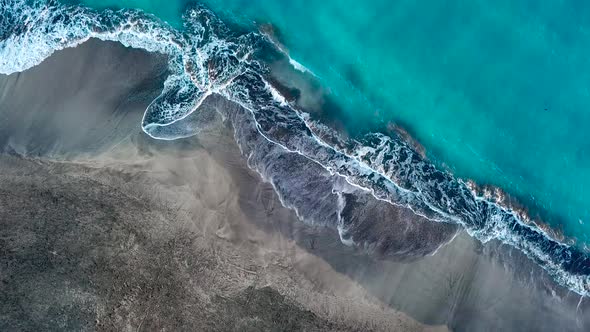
point(507, 204)
point(160, 45)
point(492, 193)
point(120, 215)
point(416, 287)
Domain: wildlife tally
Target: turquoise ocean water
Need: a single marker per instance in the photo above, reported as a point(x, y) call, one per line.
point(496, 91)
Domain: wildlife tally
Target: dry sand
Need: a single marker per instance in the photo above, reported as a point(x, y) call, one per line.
point(102, 228)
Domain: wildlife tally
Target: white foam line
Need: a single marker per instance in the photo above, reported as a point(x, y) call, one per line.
point(211, 90)
point(276, 95)
point(294, 63)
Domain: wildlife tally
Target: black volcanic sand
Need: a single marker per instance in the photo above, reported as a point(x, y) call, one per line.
point(103, 228)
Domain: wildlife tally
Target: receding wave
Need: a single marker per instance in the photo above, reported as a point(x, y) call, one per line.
point(378, 192)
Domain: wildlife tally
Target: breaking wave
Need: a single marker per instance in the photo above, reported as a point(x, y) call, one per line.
point(377, 191)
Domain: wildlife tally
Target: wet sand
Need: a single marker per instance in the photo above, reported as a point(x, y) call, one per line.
point(104, 228)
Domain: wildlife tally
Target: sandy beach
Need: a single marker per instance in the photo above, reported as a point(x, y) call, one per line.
point(104, 228)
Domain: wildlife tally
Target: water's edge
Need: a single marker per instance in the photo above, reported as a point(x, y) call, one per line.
point(282, 141)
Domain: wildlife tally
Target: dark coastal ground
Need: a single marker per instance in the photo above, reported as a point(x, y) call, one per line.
point(103, 228)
